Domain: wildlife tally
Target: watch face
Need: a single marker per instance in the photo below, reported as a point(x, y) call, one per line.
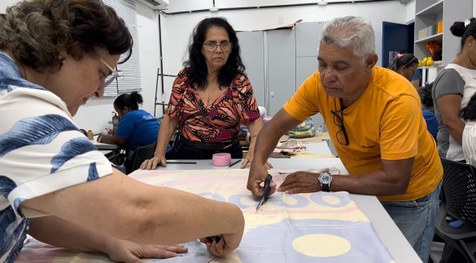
point(325, 178)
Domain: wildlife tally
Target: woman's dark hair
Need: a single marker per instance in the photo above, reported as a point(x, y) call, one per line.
point(468, 113)
point(403, 60)
point(460, 30)
point(37, 31)
point(131, 101)
point(196, 62)
point(425, 95)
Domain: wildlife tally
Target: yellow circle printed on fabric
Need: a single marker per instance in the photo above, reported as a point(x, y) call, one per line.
point(333, 200)
point(321, 245)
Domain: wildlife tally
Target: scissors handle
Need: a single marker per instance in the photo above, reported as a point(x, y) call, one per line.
point(267, 187)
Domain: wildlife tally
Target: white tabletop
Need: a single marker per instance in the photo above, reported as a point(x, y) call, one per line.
point(103, 146)
point(386, 229)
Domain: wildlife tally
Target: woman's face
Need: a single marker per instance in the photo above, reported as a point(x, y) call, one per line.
point(79, 80)
point(408, 72)
point(120, 112)
point(216, 48)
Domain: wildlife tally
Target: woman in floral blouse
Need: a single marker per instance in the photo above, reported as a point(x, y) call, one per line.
point(210, 98)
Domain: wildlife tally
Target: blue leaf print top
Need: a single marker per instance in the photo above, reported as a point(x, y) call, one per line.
point(41, 151)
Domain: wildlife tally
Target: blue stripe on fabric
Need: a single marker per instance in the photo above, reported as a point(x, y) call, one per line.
point(71, 149)
point(13, 233)
point(93, 172)
point(6, 186)
point(33, 131)
point(10, 75)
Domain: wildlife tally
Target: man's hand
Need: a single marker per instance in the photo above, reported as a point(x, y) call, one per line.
point(130, 252)
point(300, 182)
point(256, 176)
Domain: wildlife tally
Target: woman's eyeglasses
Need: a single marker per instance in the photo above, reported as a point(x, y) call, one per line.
point(341, 134)
point(212, 45)
point(111, 77)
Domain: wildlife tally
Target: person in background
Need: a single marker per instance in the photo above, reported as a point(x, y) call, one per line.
point(468, 114)
point(406, 64)
point(428, 109)
point(416, 79)
point(210, 98)
point(452, 89)
point(136, 127)
point(376, 126)
point(56, 186)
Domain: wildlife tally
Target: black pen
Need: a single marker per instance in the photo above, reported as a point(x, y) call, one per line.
point(180, 162)
point(234, 163)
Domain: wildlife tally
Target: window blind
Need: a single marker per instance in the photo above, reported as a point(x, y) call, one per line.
point(130, 70)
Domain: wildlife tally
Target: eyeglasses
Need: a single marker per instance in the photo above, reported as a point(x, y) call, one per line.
point(338, 115)
point(212, 45)
point(112, 76)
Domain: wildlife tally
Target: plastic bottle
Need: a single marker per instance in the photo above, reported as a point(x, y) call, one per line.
point(90, 135)
point(115, 121)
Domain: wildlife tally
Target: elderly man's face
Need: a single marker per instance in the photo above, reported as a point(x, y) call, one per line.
point(342, 73)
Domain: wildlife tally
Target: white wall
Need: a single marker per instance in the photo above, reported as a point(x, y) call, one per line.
point(176, 30)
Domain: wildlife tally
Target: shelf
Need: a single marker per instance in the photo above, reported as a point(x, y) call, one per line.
point(438, 36)
point(432, 9)
point(429, 67)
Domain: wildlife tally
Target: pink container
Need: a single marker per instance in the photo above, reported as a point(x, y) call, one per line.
point(221, 159)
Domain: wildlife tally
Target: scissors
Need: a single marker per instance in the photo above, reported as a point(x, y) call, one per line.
point(267, 188)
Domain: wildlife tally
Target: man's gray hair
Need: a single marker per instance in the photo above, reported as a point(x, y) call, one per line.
point(351, 31)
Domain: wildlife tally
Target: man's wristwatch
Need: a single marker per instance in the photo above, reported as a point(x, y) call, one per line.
point(325, 179)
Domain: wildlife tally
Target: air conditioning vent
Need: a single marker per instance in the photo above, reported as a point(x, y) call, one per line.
point(154, 4)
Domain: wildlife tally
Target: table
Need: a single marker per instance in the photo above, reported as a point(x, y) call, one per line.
point(103, 146)
point(385, 229)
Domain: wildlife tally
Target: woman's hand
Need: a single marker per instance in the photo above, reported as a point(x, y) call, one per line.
point(222, 245)
point(152, 163)
point(130, 252)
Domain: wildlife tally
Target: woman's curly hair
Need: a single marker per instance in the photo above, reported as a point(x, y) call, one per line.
point(37, 31)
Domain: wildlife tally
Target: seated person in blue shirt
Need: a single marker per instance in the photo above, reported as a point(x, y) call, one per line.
point(136, 127)
point(427, 109)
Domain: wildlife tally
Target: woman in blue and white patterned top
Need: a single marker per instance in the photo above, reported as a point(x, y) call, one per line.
point(55, 56)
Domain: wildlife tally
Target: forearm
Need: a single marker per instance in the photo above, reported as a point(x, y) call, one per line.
point(111, 139)
point(254, 128)
point(266, 142)
point(392, 179)
point(455, 129)
point(140, 212)
point(374, 183)
point(57, 232)
point(269, 135)
point(167, 129)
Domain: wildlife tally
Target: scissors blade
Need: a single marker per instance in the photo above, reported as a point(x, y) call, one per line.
point(267, 189)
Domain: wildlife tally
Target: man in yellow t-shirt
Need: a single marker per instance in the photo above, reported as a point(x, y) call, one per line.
point(375, 122)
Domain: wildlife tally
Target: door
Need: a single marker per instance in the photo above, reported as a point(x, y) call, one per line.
point(395, 38)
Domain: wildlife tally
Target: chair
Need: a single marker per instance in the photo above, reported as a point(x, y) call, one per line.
point(458, 205)
point(139, 155)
